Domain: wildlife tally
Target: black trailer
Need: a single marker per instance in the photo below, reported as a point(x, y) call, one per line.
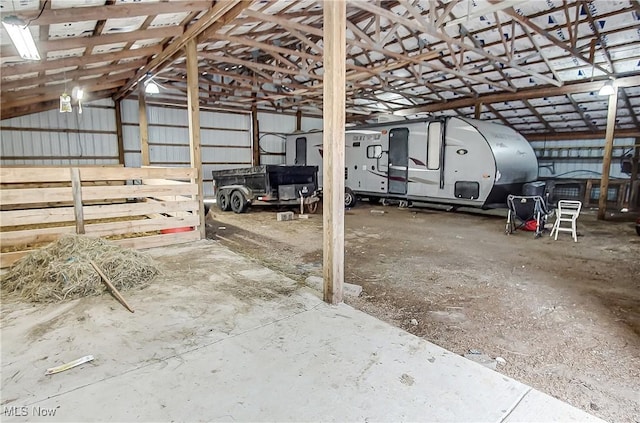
point(237, 189)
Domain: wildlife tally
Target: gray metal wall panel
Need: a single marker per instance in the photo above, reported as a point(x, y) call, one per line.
point(580, 165)
point(93, 134)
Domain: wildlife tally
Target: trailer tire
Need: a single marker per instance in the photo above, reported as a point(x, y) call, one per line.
point(238, 202)
point(349, 198)
point(222, 198)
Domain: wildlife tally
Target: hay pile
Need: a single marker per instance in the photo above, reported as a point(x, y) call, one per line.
point(62, 270)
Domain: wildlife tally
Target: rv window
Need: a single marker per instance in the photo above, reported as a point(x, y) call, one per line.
point(433, 146)
point(374, 152)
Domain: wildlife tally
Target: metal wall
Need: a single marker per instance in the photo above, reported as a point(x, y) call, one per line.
point(225, 138)
point(273, 131)
point(579, 159)
point(54, 138)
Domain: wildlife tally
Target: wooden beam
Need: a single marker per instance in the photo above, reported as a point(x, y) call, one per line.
point(477, 111)
point(193, 110)
point(255, 133)
point(548, 91)
point(5, 107)
point(608, 151)
point(298, 120)
point(89, 43)
point(46, 65)
point(581, 135)
point(8, 113)
point(333, 142)
point(633, 195)
point(220, 13)
point(117, 11)
point(76, 190)
point(103, 70)
point(119, 135)
point(143, 125)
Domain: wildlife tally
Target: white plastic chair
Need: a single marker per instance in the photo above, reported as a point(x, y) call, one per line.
point(567, 211)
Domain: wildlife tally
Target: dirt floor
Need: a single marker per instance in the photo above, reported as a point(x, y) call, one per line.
point(565, 316)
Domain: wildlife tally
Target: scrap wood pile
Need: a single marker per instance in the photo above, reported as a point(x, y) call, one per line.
point(64, 270)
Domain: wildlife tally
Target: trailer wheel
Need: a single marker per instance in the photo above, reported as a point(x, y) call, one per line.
point(222, 198)
point(349, 198)
point(238, 202)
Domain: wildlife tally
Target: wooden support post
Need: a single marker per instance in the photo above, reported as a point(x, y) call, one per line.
point(299, 120)
point(144, 127)
point(587, 192)
point(76, 190)
point(333, 111)
point(193, 106)
point(255, 133)
point(608, 152)
point(478, 111)
point(633, 196)
point(118, 112)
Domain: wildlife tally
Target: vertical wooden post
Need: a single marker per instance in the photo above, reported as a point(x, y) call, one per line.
point(193, 106)
point(633, 196)
point(608, 151)
point(118, 112)
point(255, 132)
point(333, 111)
point(76, 190)
point(299, 120)
point(144, 127)
point(478, 111)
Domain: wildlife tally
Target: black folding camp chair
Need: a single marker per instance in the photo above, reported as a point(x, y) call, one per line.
point(527, 213)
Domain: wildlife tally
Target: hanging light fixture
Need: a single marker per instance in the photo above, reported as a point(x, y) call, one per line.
point(21, 37)
point(151, 88)
point(607, 89)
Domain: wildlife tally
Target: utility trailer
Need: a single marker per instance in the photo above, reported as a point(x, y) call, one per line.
point(282, 185)
point(455, 161)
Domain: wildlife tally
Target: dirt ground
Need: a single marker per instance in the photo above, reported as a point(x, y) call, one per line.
point(565, 316)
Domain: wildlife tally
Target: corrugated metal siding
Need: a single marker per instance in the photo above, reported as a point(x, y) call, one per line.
point(579, 159)
point(273, 131)
point(225, 139)
point(54, 138)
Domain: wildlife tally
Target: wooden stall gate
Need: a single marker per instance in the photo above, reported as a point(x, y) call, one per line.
point(133, 207)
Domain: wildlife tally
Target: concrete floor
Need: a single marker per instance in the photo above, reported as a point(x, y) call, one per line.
point(221, 338)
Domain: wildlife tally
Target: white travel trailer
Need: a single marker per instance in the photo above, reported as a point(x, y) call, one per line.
point(452, 160)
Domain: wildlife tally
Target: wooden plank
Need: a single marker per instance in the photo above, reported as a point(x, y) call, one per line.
point(34, 236)
point(633, 195)
point(12, 175)
point(7, 259)
point(107, 211)
point(255, 132)
point(143, 126)
point(158, 240)
point(193, 107)
point(135, 191)
point(35, 196)
point(608, 152)
point(36, 216)
point(144, 225)
point(76, 190)
point(119, 135)
point(334, 144)
point(120, 174)
point(163, 182)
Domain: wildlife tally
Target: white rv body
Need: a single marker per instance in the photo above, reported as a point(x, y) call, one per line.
point(453, 160)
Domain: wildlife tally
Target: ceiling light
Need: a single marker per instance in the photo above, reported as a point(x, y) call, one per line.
point(21, 37)
point(151, 88)
point(607, 89)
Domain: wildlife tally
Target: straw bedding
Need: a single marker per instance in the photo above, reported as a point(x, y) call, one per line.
point(62, 270)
